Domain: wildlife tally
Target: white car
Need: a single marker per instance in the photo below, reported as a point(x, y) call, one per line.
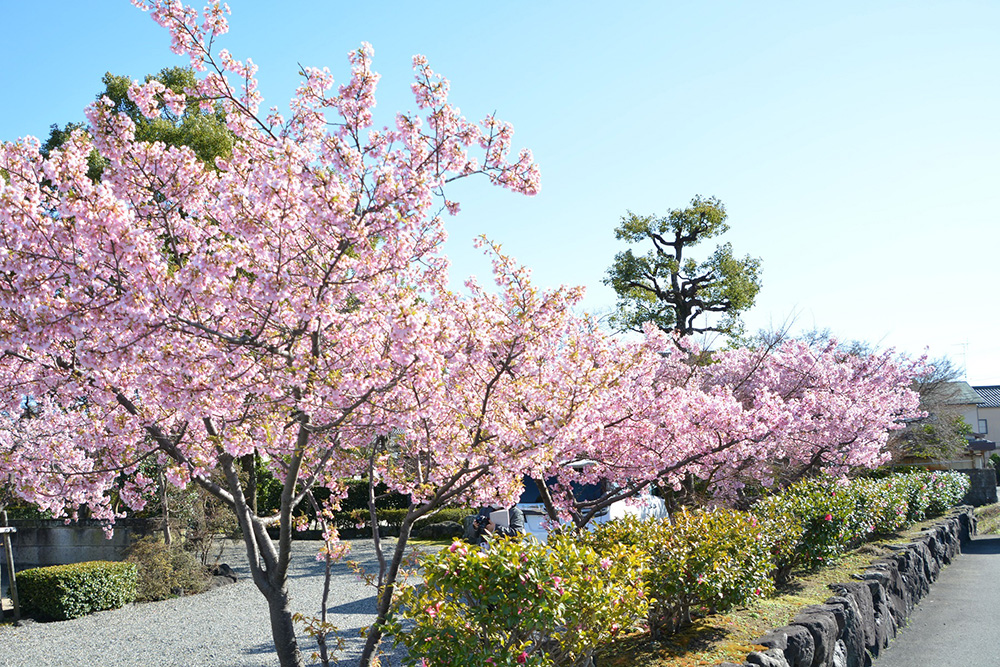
point(644, 506)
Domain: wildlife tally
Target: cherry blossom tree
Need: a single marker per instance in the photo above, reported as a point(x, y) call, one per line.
point(291, 301)
point(500, 390)
point(280, 301)
point(745, 415)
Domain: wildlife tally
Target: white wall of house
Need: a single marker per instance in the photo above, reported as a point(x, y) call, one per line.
point(970, 414)
point(992, 418)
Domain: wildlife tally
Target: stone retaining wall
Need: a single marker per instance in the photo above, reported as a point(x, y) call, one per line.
point(854, 625)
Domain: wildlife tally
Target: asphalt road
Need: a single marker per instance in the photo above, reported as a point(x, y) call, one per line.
point(958, 623)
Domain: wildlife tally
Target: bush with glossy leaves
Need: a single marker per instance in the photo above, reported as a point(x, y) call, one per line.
point(519, 602)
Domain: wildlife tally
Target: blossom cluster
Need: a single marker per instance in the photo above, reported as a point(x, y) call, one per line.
point(292, 300)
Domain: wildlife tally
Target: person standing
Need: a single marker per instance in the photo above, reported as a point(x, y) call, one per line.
point(484, 526)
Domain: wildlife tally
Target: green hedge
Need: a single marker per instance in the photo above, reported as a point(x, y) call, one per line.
point(831, 516)
point(501, 602)
point(392, 518)
point(518, 603)
point(715, 559)
point(63, 592)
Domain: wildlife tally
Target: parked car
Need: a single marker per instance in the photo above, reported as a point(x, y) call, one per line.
point(644, 506)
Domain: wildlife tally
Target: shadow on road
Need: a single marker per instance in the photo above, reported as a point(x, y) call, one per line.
point(982, 546)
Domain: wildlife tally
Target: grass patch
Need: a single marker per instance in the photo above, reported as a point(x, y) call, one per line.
point(729, 637)
point(442, 542)
point(988, 519)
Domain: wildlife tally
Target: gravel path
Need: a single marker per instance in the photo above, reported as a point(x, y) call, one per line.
point(224, 627)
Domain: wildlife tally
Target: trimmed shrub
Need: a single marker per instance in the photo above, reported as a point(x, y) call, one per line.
point(885, 508)
point(715, 559)
point(357, 497)
point(834, 516)
point(353, 510)
point(166, 571)
point(947, 490)
point(829, 514)
point(785, 530)
point(518, 602)
point(62, 592)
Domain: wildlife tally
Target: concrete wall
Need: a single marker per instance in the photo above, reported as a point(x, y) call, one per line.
point(39, 543)
point(862, 617)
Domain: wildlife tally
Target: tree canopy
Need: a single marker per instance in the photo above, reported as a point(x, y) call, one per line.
point(289, 299)
point(671, 290)
point(202, 130)
point(941, 432)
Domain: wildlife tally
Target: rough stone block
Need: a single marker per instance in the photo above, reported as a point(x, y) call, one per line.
point(770, 658)
point(795, 641)
point(860, 594)
point(823, 627)
point(852, 630)
point(840, 655)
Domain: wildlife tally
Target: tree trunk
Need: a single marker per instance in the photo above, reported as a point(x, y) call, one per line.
point(543, 493)
point(283, 629)
point(249, 464)
point(376, 630)
point(268, 567)
point(165, 507)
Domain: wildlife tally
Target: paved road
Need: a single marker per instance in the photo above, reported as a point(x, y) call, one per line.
point(958, 622)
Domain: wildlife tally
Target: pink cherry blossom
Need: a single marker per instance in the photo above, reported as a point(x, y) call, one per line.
point(291, 302)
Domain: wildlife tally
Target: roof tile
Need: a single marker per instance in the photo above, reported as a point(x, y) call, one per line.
point(990, 395)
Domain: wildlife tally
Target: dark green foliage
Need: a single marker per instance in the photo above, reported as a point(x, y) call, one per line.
point(17, 508)
point(393, 517)
point(715, 559)
point(63, 592)
point(205, 132)
point(58, 136)
point(357, 497)
point(830, 516)
point(165, 571)
point(268, 490)
point(672, 291)
point(942, 434)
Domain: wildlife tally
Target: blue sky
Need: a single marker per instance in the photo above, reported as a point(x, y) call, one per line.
point(855, 144)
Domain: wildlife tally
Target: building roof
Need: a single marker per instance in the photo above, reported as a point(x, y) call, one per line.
point(990, 395)
point(960, 393)
point(981, 445)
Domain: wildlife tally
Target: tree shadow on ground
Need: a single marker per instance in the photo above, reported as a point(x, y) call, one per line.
point(365, 606)
point(640, 651)
point(982, 546)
